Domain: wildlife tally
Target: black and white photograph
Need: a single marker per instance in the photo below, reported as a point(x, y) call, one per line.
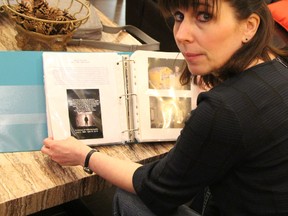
point(85, 113)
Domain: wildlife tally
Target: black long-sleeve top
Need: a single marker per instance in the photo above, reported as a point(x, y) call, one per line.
point(235, 142)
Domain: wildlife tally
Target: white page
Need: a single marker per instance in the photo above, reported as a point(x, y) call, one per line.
point(85, 85)
point(162, 104)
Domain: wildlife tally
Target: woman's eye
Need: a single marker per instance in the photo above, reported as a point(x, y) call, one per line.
point(178, 16)
point(204, 16)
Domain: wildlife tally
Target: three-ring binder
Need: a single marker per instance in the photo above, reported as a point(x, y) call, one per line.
point(130, 112)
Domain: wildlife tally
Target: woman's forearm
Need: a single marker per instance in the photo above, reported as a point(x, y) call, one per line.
point(72, 152)
point(116, 171)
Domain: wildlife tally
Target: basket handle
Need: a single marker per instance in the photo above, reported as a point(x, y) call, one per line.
point(147, 42)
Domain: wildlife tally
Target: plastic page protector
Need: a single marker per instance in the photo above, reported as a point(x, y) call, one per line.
point(22, 111)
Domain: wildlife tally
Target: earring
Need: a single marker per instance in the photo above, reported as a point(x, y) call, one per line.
point(245, 40)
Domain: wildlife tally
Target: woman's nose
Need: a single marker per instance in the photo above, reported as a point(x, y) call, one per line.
point(183, 32)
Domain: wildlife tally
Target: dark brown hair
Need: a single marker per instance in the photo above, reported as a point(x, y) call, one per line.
point(258, 47)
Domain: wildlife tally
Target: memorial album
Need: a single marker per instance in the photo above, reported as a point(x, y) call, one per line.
point(108, 98)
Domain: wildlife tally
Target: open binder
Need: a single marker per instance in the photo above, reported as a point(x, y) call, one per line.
point(105, 98)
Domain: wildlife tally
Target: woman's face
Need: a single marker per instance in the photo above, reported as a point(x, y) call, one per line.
point(207, 42)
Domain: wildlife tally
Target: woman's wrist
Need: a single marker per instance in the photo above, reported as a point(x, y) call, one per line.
point(83, 155)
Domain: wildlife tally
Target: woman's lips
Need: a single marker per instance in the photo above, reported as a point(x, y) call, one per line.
point(191, 57)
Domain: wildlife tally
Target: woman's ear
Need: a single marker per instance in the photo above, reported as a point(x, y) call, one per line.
point(250, 27)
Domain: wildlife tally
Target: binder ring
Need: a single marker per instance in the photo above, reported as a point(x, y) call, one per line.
point(130, 130)
point(127, 95)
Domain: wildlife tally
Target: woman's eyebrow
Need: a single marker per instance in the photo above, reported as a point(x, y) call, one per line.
point(208, 4)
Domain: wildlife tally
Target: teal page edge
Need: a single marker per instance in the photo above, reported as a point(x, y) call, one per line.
point(23, 124)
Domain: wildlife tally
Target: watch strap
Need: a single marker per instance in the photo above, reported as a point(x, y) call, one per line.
point(87, 159)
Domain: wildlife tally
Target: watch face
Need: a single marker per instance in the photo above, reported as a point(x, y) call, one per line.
point(87, 170)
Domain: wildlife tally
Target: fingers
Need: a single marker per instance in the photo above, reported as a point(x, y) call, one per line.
point(45, 150)
point(47, 142)
point(51, 146)
point(46, 146)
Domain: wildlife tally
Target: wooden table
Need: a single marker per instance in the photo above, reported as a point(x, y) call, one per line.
point(31, 182)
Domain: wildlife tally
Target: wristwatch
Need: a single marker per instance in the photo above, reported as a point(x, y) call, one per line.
point(86, 163)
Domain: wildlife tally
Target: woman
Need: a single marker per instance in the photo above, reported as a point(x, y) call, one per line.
point(235, 142)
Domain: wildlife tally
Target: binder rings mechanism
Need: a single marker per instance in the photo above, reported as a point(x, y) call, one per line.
point(129, 101)
point(130, 123)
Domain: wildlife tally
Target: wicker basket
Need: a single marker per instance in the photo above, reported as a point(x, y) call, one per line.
point(44, 31)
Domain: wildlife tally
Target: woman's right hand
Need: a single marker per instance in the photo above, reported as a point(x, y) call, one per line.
point(68, 152)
